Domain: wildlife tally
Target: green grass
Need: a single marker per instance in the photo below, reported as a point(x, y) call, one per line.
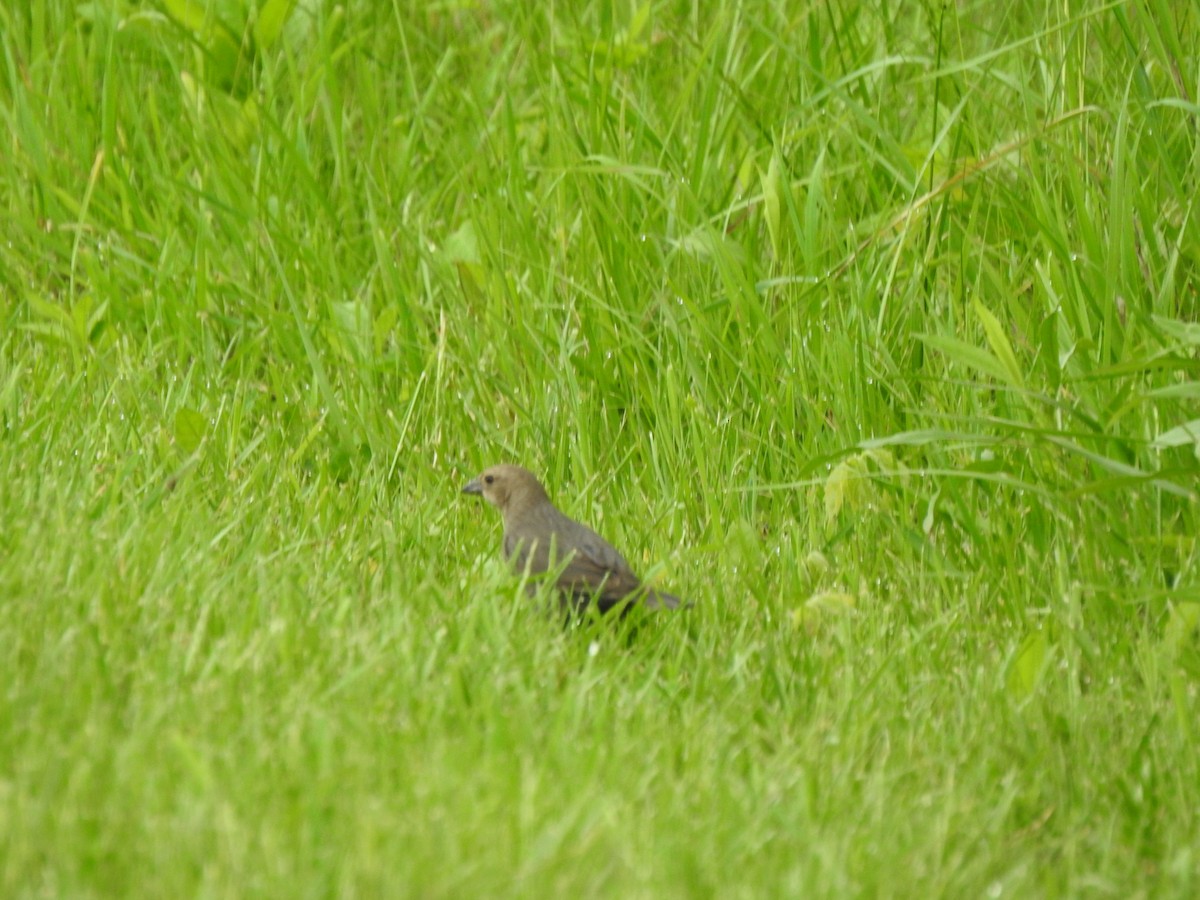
point(870, 328)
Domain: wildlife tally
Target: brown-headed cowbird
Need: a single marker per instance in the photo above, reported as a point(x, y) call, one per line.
point(538, 538)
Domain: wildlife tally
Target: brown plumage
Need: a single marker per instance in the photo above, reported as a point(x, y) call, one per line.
point(538, 537)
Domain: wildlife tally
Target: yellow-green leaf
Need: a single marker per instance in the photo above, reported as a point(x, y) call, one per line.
point(770, 191)
point(1000, 345)
point(190, 428)
point(1027, 667)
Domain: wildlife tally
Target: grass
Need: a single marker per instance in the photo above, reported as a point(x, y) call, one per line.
point(869, 328)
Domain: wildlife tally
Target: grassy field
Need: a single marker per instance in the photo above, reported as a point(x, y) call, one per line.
point(873, 329)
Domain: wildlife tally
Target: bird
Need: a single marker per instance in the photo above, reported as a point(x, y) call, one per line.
point(538, 538)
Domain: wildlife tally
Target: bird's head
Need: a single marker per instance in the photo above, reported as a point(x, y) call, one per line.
point(507, 488)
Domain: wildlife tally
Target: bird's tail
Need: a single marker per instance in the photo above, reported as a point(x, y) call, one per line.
point(662, 600)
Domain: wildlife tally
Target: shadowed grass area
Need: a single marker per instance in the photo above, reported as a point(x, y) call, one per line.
point(870, 329)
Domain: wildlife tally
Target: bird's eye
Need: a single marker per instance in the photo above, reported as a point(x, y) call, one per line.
point(488, 479)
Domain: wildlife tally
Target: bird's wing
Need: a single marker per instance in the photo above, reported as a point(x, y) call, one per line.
point(526, 552)
point(596, 566)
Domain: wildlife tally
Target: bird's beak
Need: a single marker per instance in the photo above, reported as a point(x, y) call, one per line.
point(473, 487)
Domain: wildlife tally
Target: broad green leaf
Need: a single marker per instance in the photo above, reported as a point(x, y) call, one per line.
point(843, 486)
point(1185, 332)
point(967, 354)
point(462, 246)
point(190, 428)
point(822, 605)
point(354, 323)
point(1189, 390)
point(1000, 345)
point(188, 13)
point(1182, 622)
point(770, 191)
point(1026, 668)
point(272, 16)
point(639, 21)
point(1179, 436)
